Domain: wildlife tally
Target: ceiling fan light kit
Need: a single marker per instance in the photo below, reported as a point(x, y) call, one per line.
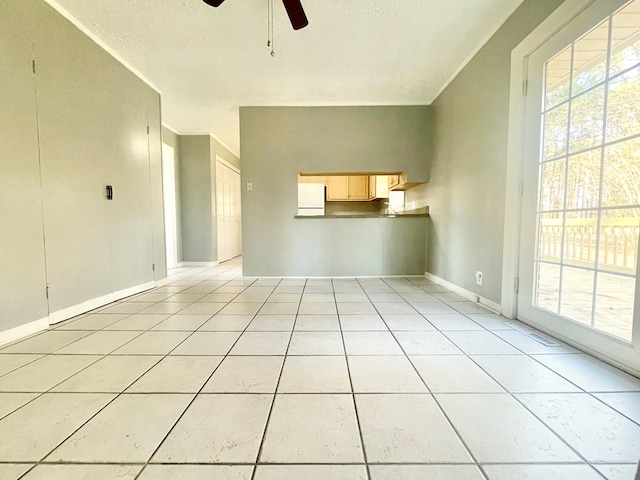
point(293, 7)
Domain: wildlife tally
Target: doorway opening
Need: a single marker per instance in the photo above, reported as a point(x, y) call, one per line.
point(170, 215)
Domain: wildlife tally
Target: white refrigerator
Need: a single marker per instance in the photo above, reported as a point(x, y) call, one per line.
point(310, 199)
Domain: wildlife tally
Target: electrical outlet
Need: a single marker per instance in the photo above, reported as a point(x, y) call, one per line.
point(479, 278)
point(249, 186)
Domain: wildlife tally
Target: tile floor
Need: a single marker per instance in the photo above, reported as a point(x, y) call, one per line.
point(216, 376)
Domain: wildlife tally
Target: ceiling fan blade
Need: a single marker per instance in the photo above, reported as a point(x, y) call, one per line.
point(213, 3)
point(296, 14)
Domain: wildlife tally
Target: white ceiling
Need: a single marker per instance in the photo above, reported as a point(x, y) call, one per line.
point(208, 62)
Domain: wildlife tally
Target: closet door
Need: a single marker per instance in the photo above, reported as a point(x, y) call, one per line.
point(22, 267)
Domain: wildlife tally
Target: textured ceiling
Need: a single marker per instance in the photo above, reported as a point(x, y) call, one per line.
point(208, 62)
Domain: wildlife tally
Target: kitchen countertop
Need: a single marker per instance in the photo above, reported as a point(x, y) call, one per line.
point(397, 215)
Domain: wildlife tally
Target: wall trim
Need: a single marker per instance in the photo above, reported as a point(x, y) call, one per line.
point(463, 292)
point(80, 26)
point(22, 331)
point(198, 264)
point(84, 307)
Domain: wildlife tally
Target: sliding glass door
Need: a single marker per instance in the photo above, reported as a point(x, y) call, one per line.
point(581, 187)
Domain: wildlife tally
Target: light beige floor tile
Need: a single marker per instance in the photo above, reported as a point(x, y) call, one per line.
point(316, 343)
point(422, 472)
point(138, 321)
point(99, 343)
point(351, 323)
point(58, 414)
point(469, 307)
point(218, 298)
point(419, 297)
point(426, 343)
point(152, 297)
point(318, 298)
point(352, 298)
point(407, 428)
point(176, 374)
point(530, 346)
point(202, 309)
point(128, 430)
point(246, 375)
point(95, 321)
point(433, 308)
point(519, 373)
point(546, 472)
point(112, 374)
point(481, 343)
point(318, 290)
point(289, 290)
point(312, 429)
point(272, 323)
point(248, 297)
point(227, 323)
point(500, 430)
point(284, 298)
point(180, 322)
point(10, 362)
point(196, 472)
point(396, 308)
point(184, 297)
point(618, 472)
point(385, 298)
point(454, 374)
point(261, 343)
point(324, 308)
point(241, 309)
point(11, 471)
point(491, 321)
point(47, 342)
point(207, 343)
point(455, 321)
point(153, 343)
point(321, 374)
point(311, 472)
point(10, 402)
point(450, 297)
point(217, 429)
point(318, 323)
point(83, 472)
point(598, 432)
point(407, 322)
point(357, 308)
point(45, 373)
point(126, 307)
point(166, 308)
point(388, 374)
point(590, 374)
point(627, 403)
point(371, 343)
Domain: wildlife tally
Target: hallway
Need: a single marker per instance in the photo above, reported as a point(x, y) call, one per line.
point(216, 376)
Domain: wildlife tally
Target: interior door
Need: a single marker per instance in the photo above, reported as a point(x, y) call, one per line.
point(228, 212)
point(581, 185)
point(169, 191)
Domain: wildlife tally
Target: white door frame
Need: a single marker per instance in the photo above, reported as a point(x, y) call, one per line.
point(563, 15)
point(171, 224)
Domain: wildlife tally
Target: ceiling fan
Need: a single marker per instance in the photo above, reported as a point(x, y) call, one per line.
point(293, 7)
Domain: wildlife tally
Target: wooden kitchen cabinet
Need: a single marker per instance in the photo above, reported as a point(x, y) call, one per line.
point(394, 181)
point(347, 188)
point(359, 187)
point(372, 187)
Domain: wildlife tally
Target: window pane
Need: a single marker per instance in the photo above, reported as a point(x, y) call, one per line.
point(623, 105)
point(587, 120)
point(580, 238)
point(621, 183)
point(625, 39)
point(577, 294)
point(619, 240)
point(583, 182)
point(556, 123)
point(547, 287)
point(550, 228)
point(614, 305)
point(552, 180)
point(590, 59)
point(558, 79)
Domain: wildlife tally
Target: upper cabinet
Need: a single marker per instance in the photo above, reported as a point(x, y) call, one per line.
point(357, 188)
point(312, 179)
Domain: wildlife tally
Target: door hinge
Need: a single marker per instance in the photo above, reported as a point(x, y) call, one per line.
point(525, 88)
point(148, 131)
point(33, 66)
point(47, 291)
point(516, 285)
point(153, 267)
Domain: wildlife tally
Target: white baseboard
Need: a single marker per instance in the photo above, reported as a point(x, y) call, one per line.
point(198, 264)
point(75, 310)
point(463, 292)
point(22, 331)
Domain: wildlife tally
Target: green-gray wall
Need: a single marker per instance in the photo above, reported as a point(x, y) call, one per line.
point(466, 192)
point(279, 142)
point(77, 124)
point(197, 195)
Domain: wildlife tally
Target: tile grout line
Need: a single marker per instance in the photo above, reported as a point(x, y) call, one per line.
point(353, 393)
